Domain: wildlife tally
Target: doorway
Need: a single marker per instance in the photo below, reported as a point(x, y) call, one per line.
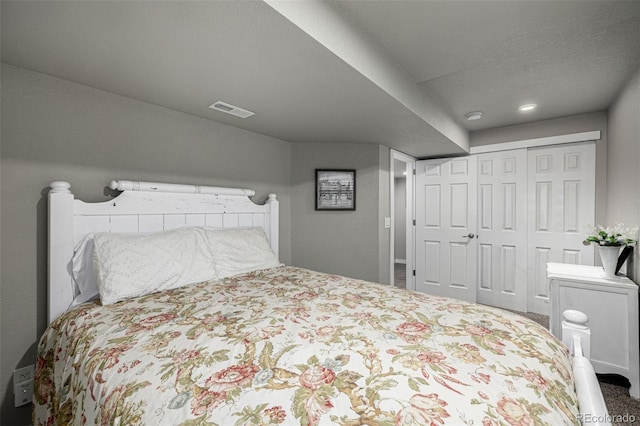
point(401, 223)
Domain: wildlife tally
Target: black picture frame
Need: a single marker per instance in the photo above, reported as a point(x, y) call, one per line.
point(335, 189)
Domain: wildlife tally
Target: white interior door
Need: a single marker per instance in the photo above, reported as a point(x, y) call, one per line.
point(446, 250)
point(502, 229)
point(561, 204)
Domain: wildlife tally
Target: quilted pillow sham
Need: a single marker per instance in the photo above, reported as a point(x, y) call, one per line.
point(131, 265)
point(240, 250)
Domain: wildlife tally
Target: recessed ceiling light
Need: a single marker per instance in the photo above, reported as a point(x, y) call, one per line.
point(475, 115)
point(527, 107)
point(231, 109)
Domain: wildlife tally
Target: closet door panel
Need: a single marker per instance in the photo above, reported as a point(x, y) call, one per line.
point(502, 230)
point(561, 205)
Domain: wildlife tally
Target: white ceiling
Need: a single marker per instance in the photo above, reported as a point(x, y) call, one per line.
point(569, 57)
point(442, 59)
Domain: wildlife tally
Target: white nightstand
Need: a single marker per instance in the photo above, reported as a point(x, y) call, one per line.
point(612, 307)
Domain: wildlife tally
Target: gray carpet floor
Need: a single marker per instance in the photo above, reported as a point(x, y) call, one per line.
point(400, 275)
point(615, 389)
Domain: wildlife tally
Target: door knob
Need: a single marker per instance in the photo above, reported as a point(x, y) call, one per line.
point(471, 235)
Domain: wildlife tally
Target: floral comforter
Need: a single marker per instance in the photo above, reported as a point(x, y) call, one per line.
point(292, 346)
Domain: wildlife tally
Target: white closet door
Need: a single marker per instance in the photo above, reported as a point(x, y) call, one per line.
point(445, 206)
point(502, 229)
point(561, 205)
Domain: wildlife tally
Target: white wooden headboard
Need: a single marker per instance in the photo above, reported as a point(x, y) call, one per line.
point(143, 207)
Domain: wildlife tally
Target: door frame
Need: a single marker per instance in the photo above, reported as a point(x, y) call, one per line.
point(410, 165)
point(594, 135)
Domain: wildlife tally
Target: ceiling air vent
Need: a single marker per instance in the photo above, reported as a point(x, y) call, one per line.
point(230, 109)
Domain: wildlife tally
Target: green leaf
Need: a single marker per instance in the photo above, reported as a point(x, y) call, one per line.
point(387, 384)
point(371, 394)
point(282, 352)
point(325, 392)
point(343, 359)
point(200, 421)
point(300, 398)
point(537, 409)
point(264, 360)
point(166, 375)
point(349, 376)
point(220, 355)
point(421, 380)
point(423, 318)
point(413, 384)
point(250, 416)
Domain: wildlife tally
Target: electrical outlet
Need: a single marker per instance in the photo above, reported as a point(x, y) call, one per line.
point(23, 385)
point(23, 374)
point(23, 393)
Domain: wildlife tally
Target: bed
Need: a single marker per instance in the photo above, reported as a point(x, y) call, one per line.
point(275, 344)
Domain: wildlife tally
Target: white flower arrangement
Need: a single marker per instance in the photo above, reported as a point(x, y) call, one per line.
point(617, 236)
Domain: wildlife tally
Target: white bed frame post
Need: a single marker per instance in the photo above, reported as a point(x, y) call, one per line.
point(577, 337)
point(60, 244)
point(274, 211)
point(574, 326)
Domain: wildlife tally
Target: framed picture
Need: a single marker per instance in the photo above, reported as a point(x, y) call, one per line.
point(335, 189)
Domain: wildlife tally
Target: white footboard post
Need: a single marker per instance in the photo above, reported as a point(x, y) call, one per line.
point(274, 209)
point(574, 324)
point(60, 243)
point(577, 336)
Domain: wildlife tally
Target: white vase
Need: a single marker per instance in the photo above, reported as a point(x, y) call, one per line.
point(609, 257)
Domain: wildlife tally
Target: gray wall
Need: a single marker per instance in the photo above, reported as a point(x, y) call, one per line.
point(57, 130)
point(559, 126)
point(623, 162)
point(340, 242)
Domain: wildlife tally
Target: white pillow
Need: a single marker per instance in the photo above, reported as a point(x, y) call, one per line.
point(84, 279)
point(240, 250)
point(131, 265)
